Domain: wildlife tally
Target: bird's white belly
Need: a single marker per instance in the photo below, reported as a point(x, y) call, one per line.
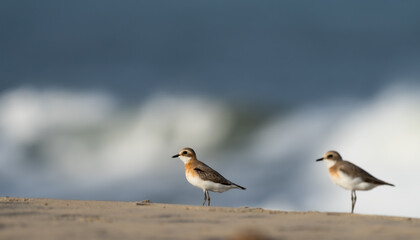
point(349, 183)
point(207, 185)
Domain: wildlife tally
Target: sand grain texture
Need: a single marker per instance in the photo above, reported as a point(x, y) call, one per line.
point(45, 219)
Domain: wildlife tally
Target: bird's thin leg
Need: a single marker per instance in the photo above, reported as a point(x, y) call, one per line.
point(205, 197)
point(208, 198)
point(353, 200)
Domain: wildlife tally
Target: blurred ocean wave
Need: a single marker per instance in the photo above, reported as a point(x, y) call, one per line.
point(89, 145)
point(80, 133)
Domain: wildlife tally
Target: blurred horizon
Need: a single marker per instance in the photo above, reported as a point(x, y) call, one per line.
point(95, 98)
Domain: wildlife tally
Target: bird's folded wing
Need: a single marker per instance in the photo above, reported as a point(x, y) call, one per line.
point(353, 170)
point(208, 174)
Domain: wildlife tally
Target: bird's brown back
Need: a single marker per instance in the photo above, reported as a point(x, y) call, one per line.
point(354, 171)
point(205, 172)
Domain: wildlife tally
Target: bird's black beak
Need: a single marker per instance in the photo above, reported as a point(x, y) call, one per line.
point(320, 159)
point(175, 156)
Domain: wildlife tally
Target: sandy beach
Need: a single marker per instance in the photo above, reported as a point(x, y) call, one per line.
point(27, 218)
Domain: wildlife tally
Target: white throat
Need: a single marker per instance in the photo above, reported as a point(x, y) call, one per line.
point(185, 159)
point(329, 163)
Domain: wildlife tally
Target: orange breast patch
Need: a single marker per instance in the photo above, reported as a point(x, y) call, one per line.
point(334, 173)
point(189, 171)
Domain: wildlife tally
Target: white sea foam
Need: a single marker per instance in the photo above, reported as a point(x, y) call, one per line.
point(88, 145)
point(86, 139)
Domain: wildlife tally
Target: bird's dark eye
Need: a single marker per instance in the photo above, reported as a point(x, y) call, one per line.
point(330, 156)
point(184, 152)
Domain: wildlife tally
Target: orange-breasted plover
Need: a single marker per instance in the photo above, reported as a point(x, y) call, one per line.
point(202, 176)
point(349, 176)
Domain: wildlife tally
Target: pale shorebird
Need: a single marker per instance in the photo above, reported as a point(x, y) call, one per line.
point(202, 176)
point(349, 176)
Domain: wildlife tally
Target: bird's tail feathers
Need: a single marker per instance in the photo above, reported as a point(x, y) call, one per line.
point(239, 187)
